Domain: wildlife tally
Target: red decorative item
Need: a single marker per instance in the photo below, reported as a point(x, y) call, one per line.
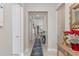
point(73, 31)
point(75, 47)
point(69, 32)
point(76, 31)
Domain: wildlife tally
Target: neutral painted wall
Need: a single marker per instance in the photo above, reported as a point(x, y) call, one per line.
point(5, 32)
point(52, 28)
point(25, 42)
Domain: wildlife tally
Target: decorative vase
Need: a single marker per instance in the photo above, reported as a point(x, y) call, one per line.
point(75, 45)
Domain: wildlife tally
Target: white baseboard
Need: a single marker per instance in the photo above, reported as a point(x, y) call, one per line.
point(52, 49)
point(26, 50)
point(22, 54)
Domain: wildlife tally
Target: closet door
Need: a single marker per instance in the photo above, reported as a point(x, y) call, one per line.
point(61, 22)
point(16, 30)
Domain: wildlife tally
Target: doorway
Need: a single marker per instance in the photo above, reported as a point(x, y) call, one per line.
point(38, 22)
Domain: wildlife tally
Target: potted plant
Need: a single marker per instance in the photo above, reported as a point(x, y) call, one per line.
point(75, 44)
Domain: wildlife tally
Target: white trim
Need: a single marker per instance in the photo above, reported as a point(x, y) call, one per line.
point(52, 49)
point(60, 5)
point(22, 54)
point(22, 29)
point(26, 50)
point(16, 29)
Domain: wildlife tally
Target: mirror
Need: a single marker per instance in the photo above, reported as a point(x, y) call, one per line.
point(74, 16)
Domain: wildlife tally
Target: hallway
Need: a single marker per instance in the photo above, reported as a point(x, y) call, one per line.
point(39, 29)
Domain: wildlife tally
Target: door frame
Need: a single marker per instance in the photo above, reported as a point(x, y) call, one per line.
point(46, 16)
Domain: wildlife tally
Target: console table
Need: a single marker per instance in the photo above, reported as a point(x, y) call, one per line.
point(66, 51)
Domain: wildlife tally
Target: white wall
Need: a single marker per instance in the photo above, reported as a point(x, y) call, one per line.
point(5, 32)
point(25, 32)
point(52, 30)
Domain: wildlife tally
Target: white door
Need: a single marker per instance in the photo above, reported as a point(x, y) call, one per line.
point(16, 37)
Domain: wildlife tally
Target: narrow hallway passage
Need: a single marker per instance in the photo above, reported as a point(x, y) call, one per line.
point(37, 48)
